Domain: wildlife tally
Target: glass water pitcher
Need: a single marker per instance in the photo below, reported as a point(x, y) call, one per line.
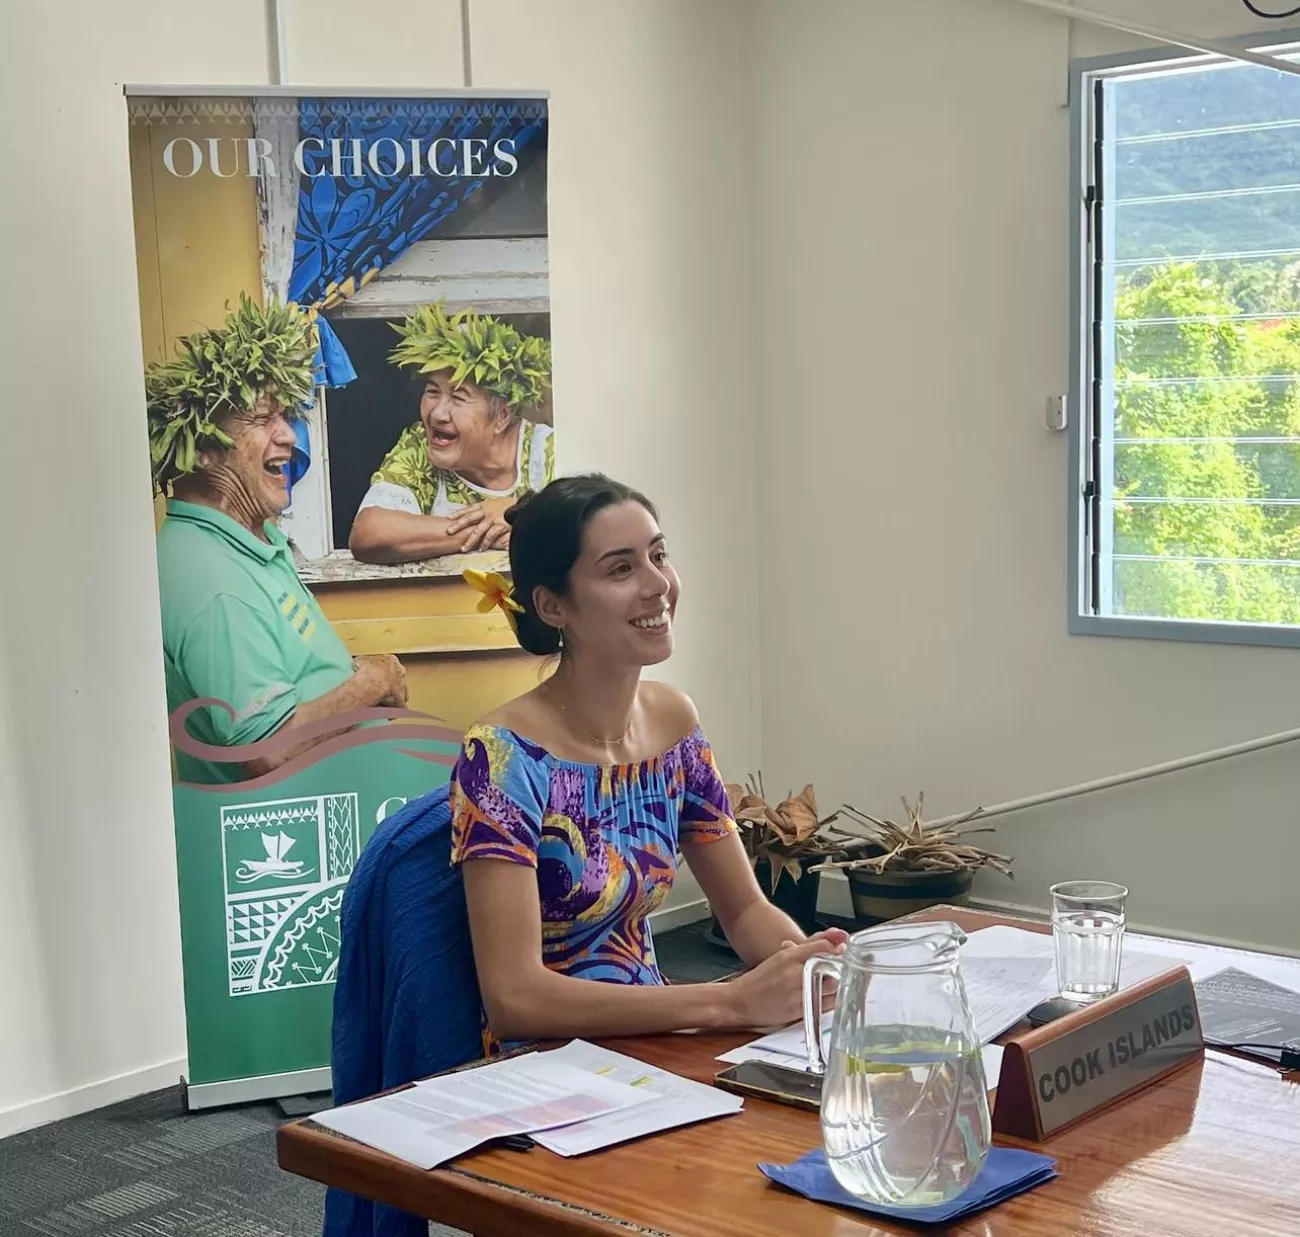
point(904, 1109)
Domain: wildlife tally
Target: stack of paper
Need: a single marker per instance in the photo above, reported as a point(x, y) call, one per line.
point(675, 1101)
point(573, 1100)
point(787, 1047)
point(1006, 972)
point(1239, 1008)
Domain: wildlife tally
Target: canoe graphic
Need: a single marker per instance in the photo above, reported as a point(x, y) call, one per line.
point(275, 865)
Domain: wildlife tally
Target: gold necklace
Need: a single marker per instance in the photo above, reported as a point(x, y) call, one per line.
point(586, 734)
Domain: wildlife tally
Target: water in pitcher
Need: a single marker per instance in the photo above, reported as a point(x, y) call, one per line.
point(905, 1117)
point(1088, 944)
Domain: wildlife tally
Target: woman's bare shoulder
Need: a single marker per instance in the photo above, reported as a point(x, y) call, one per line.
point(673, 710)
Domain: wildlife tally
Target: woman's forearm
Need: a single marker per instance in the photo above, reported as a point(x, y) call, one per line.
point(553, 1006)
point(760, 930)
point(755, 928)
point(380, 535)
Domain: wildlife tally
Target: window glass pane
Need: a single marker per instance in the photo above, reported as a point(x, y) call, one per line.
point(1200, 315)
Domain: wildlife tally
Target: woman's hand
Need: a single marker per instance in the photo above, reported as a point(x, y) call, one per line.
point(484, 525)
point(772, 993)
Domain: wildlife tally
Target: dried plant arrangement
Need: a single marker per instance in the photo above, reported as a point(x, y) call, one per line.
point(786, 836)
point(915, 847)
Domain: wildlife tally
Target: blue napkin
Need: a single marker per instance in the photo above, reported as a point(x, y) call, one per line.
point(1006, 1173)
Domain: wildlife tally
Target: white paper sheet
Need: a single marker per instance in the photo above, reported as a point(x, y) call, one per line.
point(676, 1101)
point(990, 1054)
point(441, 1118)
point(1001, 991)
point(1204, 960)
point(1004, 941)
point(769, 1056)
point(791, 1043)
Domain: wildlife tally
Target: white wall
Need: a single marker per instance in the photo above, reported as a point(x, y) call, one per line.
point(911, 199)
point(89, 960)
point(352, 43)
point(649, 255)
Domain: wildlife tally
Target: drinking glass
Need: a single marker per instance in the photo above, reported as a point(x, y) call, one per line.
point(1088, 935)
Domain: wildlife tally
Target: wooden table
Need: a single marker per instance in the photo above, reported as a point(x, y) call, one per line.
point(1212, 1151)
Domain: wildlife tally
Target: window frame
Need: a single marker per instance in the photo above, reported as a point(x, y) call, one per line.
point(1084, 73)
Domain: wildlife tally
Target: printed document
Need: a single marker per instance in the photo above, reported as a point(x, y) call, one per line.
point(442, 1118)
point(673, 1101)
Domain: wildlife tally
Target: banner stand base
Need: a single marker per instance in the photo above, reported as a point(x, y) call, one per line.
point(199, 1096)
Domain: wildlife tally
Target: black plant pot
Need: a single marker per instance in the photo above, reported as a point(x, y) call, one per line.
point(881, 896)
point(798, 898)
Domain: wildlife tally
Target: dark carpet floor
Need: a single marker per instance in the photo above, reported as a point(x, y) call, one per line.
point(145, 1168)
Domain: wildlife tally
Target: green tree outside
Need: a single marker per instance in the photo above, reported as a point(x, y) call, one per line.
point(1193, 377)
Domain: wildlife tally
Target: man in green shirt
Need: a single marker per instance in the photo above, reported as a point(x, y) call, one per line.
point(238, 624)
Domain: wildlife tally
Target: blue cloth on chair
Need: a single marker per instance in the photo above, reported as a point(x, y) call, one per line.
point(406, 1003)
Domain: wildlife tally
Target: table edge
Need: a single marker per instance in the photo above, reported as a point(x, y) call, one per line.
point(461, 1195)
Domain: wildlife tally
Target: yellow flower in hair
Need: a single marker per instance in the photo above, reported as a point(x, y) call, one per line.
point(497, 593)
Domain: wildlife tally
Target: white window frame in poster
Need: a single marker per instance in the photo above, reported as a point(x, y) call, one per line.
point(1091, 440)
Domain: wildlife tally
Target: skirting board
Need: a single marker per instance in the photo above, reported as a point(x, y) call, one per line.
point(73, 1103)
point(249, 1090)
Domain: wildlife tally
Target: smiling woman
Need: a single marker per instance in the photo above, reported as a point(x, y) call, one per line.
point(446, 485)
point(570, 804)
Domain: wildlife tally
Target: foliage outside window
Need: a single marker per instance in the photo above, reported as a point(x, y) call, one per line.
point(1190, 460)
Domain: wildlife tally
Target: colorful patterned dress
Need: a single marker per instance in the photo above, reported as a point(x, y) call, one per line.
point(602, 838)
